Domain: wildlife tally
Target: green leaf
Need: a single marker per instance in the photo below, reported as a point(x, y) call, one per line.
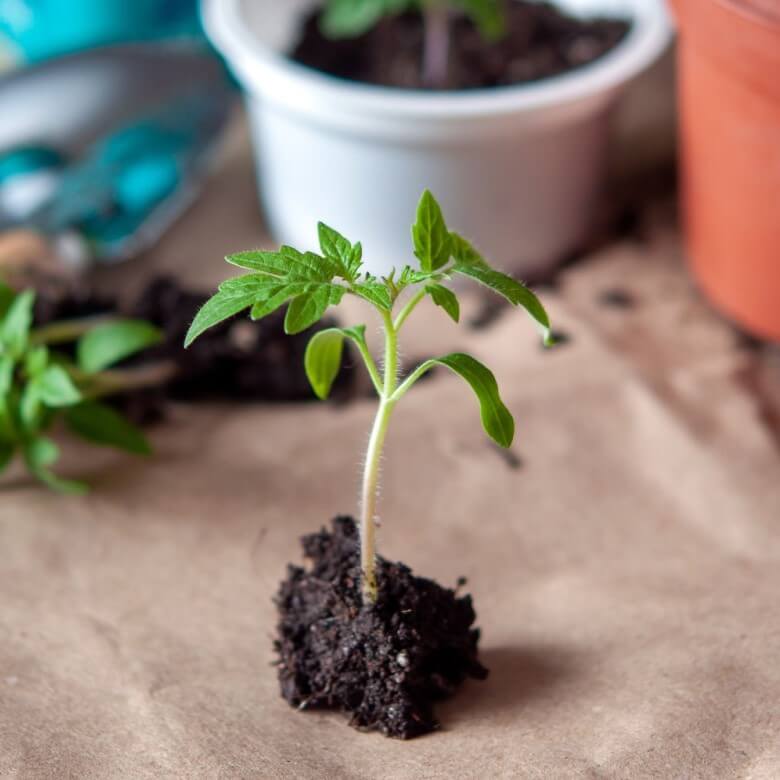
point(444, 297)
point(469, 263)
point(107, 344)
point(334, 245)
point(410, 275)
point(323, 359)
point(68, 487)
point(36, 360)
point(356, 258)
point(279, 295)
point(18, 320)
point(304, 278)
point(101, 424)
point(6, 374)
point(6, 454)
point(7, 296)
point(7, 421)
point(307, 309)
point(464, 253)
point(41, 453)
point(430, 235)
point(222, 306)
point(30, 408)
point(496, 418)
point(55, 388)
point(261, 261)
point(287, 264)
point(488, 15)
point(374, 292)
point(350, 18)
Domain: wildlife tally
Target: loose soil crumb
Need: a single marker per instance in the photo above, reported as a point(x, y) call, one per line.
point(616, 298)
point(540, 42)
point(383, 666)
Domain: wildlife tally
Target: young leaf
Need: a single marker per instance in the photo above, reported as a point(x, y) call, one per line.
point(36, 360)
point(496, 418)
point(6, 454)
point(444, 297)
point(306, 309)
point(18, 320)
point(308, 266)
point(261, 261)
point(349, 18)
point(30, 408)
point(105, 345)
point(55, 388)
point(40, 453)
point(222, 306)
point(6, 374)
point(464, 253)
point(7, 296)
point(488, 15)
point(323, 357)
point(374, 292)
point(469, 263)
point(275, 297)
point(7, 421)
point(288, 264)
point(101, 424)
point(334, 245)
point(410, 275)
point(430, 235)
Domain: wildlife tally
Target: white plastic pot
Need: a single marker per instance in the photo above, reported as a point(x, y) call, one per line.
point(517, 169)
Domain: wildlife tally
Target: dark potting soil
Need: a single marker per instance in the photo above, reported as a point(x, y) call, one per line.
point(237, 360)
point(384, 666)
point(540, 42)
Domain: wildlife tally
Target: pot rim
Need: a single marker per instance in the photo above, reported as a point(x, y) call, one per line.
point(275, 76)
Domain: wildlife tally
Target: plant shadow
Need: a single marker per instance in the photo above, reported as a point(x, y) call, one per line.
point(518, 676)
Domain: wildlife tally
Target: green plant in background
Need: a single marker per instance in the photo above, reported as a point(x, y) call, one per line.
point(350, 18)
point(40, 385)
point(310, 283)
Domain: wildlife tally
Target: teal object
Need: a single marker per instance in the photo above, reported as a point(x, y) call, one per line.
point(148, 182)
point(27, 160)
point(41, 29)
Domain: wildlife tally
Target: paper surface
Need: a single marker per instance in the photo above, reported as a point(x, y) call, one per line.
point(626, 575)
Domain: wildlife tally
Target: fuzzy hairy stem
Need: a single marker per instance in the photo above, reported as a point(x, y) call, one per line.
point(436, 46)
point(388, 397)
point(376, 442)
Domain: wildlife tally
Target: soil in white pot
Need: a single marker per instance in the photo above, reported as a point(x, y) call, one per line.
point(540, 42)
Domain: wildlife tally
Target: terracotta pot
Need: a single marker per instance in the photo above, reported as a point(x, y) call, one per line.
point(729, 94)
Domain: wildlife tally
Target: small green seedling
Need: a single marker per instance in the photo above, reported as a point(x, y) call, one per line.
point(40, 385)
point(311, 283)
point(349, 18)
